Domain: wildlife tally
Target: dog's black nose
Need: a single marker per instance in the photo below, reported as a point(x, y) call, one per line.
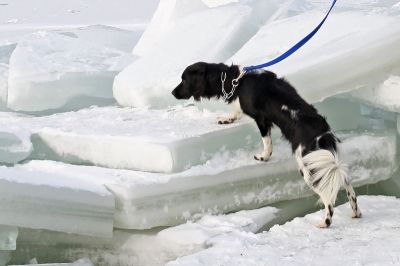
point(174, 93)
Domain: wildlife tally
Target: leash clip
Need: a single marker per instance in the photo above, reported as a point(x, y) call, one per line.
point(235, 83)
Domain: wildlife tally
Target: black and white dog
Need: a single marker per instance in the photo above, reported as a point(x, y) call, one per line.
point(270, 100)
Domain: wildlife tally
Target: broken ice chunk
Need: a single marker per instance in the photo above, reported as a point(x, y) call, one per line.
point(8, 237)
point(53, 202)
point(48, 69)
point(15, 143)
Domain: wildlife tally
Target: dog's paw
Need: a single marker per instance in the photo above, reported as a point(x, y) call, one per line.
point(225, 120)
point(356, 215)
point(263, 156)
point(322, 224)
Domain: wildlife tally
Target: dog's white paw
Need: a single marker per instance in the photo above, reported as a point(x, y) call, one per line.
point(263, 156)
point(356, 215)
point(225, 120)
point(322, 224)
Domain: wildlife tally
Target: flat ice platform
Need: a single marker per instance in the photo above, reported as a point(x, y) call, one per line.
point(164, 141)
point(229, 181)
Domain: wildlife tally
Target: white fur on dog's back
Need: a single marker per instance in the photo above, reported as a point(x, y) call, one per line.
point(327, 168)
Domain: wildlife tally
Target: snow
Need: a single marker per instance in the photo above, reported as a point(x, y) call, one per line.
point(370, 240)
point(47, 69)
point(211, 226)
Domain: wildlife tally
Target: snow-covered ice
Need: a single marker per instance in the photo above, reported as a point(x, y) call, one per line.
point(47, 70)
point(210, 226)
point(371, 240)
point(54, 202)
point(148, 140)
point(229, 181)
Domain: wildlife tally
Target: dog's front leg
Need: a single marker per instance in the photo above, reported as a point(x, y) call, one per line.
point(264, 126)
point(235, 115)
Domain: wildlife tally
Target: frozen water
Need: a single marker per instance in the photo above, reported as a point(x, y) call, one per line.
point(47, 70)
point(230, 181)
point(209, 226)
point(384, 95)
point(299, 242)
point(6, 50)
point(53, 202)
point(148, 140)
point(15, 143)
point(5, 256)
point(139, 248)
point(3, 85)
point(351, 48)
point(123, 40)
point(344, 118)
point(211, 35)
point(8, 237)
point(167, 14)
point(81, 262)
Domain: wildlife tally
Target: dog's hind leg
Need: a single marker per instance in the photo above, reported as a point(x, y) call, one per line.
point(351, 195)
point(264, 126)
point(235, 115)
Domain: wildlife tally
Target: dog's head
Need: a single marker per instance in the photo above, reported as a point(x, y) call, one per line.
point(194, 82)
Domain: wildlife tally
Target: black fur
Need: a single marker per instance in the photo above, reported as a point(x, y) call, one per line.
point(262, 95)
point(271, 100)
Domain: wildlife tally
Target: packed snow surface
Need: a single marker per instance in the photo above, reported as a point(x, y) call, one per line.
point(371, 240)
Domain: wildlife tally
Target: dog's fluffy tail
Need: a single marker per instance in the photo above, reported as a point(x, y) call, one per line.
point(327, 174)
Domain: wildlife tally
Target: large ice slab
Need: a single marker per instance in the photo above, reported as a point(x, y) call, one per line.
point(15, 143)
point(8, 237)
point(213, 35)
point(5, 256)
point(47, 70)
point(167, 14)
point(230, 181)
point(123, 40)
point(352, 49)
point(299, 242)
point(384, 95)
point(148, 140)
point(53, 202)
point(3, 85)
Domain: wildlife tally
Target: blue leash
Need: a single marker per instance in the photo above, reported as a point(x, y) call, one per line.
point(293, 49)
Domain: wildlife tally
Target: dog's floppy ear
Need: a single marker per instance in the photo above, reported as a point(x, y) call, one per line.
point(197, 80)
